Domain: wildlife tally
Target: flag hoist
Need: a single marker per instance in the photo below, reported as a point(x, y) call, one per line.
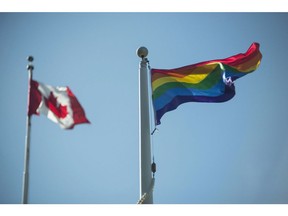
point(146, 180)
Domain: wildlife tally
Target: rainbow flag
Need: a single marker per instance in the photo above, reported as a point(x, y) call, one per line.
point(209, 81)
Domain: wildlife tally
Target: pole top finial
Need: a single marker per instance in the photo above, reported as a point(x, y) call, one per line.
point(142, 52)
point(30, 58)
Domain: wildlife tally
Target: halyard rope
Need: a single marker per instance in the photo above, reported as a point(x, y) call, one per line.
point(147, 195)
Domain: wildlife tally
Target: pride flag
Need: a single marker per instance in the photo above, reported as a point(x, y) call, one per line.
point(209, 81)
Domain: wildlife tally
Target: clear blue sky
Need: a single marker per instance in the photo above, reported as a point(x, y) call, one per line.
point(233, 152)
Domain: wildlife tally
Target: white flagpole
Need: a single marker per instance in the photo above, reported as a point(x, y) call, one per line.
point(27, 138)
point(146, 194)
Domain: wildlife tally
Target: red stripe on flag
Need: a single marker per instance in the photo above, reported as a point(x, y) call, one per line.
point(78, 112)
point(35, 98)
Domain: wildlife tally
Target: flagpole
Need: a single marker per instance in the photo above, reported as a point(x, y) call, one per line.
point(146, 195)
point(25, 184)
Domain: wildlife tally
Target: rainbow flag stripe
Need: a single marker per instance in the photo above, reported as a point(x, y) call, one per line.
point(209, 81)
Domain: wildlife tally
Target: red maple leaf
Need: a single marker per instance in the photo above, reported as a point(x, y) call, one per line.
point(52, 104)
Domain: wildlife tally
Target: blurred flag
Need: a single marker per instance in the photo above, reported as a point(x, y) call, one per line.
point(209, 81)
point(59, 104)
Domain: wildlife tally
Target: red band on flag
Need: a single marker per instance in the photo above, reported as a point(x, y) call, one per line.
point(35, 98)
point(78, 112)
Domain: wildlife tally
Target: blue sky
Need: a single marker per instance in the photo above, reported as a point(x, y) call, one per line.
point(234, 152)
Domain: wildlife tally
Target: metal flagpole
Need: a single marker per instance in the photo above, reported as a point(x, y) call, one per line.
point(25, 185)
point(146, 180)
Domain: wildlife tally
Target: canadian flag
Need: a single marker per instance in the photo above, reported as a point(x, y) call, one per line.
point(59, 104)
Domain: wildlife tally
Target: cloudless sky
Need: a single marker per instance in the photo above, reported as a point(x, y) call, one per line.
point(234, 152)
